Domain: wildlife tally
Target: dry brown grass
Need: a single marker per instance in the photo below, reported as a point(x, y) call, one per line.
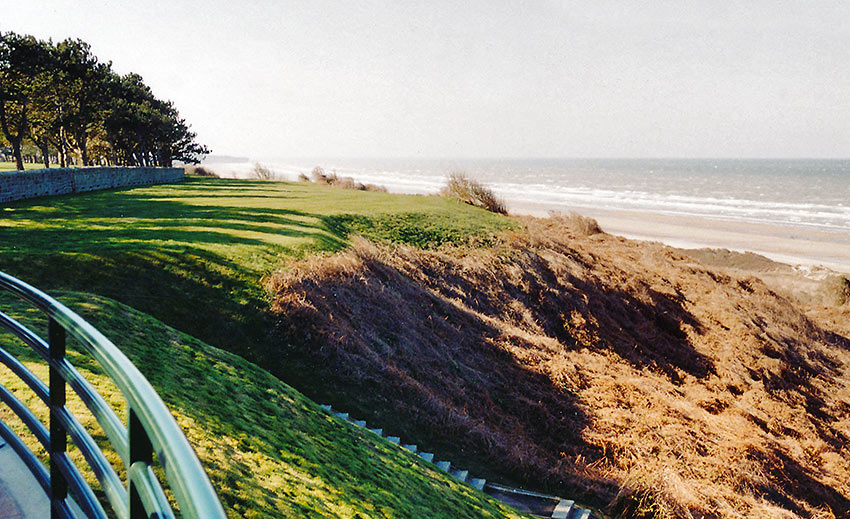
point(201, 171)
point(837, 290)
point(581, 225)
point(471, 192)
point(320, 177)
point(743, 261)
point(806, 285)
point(262, 172)
point(590, 365)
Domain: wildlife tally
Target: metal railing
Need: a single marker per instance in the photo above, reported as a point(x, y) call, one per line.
point(150, 428)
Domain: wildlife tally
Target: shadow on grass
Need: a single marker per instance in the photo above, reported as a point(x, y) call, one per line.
point(251, 430)
point(430, 371)
point(648, 332)
point(783, 472)
point(456, 355)
point(194, 267)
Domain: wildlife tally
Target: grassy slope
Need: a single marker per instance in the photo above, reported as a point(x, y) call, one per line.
point(270, 451)
point(192, 254)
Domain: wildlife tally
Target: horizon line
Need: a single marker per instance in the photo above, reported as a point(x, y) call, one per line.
point(243, 158)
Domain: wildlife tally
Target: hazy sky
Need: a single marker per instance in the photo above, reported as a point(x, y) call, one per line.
point(481, 78)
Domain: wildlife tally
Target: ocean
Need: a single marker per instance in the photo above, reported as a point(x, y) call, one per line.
point(800, 193)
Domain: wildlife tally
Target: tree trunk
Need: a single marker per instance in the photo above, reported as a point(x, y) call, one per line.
point(45, 153)
point(63, 148)
point(15, 141)
point(16, 151)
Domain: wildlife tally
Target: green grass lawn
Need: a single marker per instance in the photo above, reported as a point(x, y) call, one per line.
point(10, 166)
point(269, 451)
point(192, 254)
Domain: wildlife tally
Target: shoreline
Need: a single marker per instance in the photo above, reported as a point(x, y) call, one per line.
point(781, 243)
point(784, 243)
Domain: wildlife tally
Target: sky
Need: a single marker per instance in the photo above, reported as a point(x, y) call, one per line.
point(481, 79)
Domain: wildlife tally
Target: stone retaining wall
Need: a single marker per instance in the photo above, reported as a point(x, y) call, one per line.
point(19, 185)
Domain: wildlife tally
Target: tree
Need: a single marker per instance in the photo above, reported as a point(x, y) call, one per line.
point(83, 89)
point(175, 140)
point(45, 115)
point(145, 131)
point(24, 76)
point(60, 97)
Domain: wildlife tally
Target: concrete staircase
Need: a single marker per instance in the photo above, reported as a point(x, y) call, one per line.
point(539, 505)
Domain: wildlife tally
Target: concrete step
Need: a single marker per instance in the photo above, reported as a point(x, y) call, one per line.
point(563, 509)
point(459, 474)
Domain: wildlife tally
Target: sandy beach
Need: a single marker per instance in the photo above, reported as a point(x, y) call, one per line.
point(804, 244)
point(786, 244)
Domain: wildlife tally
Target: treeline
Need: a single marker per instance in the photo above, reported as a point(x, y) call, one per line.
point(61, 100)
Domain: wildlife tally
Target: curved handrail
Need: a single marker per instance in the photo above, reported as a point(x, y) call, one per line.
point(151, 427)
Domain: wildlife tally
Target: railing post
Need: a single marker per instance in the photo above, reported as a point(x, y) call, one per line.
point(58, 435)
point(140, 450)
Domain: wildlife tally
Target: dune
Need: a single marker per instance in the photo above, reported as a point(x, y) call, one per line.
point(625, 373)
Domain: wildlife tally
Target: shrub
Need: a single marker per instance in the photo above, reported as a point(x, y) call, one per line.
point(471, 192)
point(303, 178)
point(344, 183)
point(320, 177)
point(200, 171)
point(581, 225)
point(837, 290)
point(262, 172)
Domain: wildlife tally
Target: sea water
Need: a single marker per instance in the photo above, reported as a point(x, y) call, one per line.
point(799, 193)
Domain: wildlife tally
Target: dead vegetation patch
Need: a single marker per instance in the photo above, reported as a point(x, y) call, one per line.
point(807, 285)
point(201, 171)
point(262, 172)
point(837, 290)
point(586, 364)
point(471, 192)
point(319, 176)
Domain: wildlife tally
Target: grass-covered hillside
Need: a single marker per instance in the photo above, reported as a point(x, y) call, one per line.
point(269, 451)
point(192, 254)
point(543, 353)
point(624, 373)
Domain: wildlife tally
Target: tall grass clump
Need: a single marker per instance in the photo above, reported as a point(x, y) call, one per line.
point(262, 172)
point(837, 290)
point(639, 503)
point(201, 171)
point(581, 225)
point(471, 192)
point(320, 177)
